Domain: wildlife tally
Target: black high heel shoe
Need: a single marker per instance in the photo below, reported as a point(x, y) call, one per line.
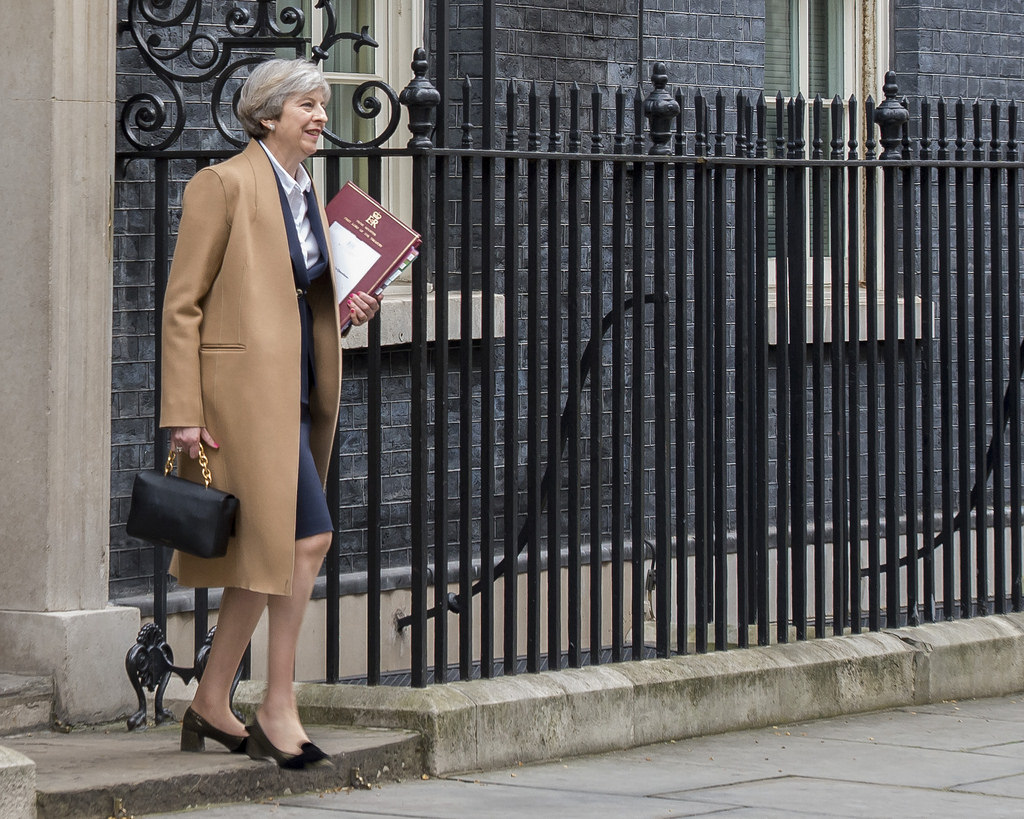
point(195, 731)
point(259, 747)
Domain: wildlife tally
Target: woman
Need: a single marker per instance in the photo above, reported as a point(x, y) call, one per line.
point(251, 369)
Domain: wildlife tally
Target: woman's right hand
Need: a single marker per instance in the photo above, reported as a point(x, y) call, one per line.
point(186, 439)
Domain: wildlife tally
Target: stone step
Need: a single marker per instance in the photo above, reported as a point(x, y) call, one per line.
point(109, 771)
point(26, 703)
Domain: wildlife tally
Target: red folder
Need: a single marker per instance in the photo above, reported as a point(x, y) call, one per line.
point(369, 245)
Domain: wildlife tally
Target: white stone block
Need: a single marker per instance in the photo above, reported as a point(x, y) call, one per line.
point(17, 785)
point(83, 651)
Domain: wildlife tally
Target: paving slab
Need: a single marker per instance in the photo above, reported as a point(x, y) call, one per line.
point(827, 797)
point(1012, 786)
point(997, 708)
point(952, 731)
point(1014, 750)
point(437, 799)
point(627, 773)
point(108, 771)
point(763, 754)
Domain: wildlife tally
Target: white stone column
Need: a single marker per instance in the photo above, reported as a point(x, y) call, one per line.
point(56, 170)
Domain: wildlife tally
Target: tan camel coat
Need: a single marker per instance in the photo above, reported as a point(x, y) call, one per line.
point(231, 363)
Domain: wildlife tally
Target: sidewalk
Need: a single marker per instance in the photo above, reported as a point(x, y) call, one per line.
point(949, 759)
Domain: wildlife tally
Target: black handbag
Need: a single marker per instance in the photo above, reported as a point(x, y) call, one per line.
point(175, 512)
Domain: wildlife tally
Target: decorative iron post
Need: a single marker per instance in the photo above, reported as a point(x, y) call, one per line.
point(661, 111)
point(421, 98)
point(890, 117)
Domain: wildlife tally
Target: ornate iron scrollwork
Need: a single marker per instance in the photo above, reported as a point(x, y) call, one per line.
point(150, 663)
point(183, 49)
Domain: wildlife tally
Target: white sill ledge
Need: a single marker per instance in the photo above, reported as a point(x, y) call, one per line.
point(396, 318)
point(862, 319)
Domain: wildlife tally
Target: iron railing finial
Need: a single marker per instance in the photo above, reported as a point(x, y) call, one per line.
point(661, 110)
point(421, 98)
point(890, 117)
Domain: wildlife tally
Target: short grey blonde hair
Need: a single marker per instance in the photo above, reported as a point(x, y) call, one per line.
point(268, 86)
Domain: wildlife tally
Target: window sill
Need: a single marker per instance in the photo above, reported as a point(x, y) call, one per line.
point(396, 318)
point(862, 319)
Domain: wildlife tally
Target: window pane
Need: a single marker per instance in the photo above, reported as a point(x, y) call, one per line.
point(825, 48)
point(778, 48)
point(343, 121)
point(817, 48)
point(305, 7)
point(343, 59)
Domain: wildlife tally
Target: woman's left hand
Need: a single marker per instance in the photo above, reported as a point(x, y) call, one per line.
point(363, 307)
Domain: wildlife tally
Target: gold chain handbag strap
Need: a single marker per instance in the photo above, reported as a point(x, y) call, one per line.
point(204, 463)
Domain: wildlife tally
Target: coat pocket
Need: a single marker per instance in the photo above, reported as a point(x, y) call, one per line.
point(222, 348)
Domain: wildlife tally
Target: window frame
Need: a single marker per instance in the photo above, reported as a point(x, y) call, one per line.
point(866, 48)
point(398, 29)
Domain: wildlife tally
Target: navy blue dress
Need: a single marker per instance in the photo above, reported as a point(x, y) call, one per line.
point(311, 513)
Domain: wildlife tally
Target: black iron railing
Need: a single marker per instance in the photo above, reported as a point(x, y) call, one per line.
point(778, 357)
point(738, 376)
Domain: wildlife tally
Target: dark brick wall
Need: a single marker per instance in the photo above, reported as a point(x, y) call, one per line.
point(707, 44)
point(133, 376)
point(945, 49)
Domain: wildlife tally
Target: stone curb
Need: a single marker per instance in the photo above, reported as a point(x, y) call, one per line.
point(107, 771)
point(17, 785)
point(233, 780)
point(482, 724)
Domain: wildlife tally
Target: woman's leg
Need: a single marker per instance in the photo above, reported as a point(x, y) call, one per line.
point(279, 715)
point(240, 611)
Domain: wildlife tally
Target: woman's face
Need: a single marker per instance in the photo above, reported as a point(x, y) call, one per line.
point(297, 130)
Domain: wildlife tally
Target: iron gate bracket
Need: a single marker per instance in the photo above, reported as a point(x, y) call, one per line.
point(150, 663)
